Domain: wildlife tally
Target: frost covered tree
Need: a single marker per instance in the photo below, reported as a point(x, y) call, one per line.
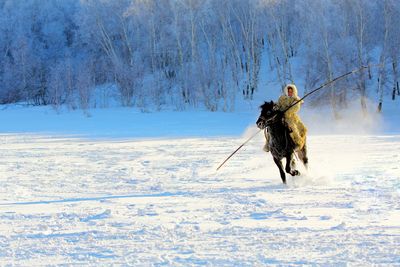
point(191, 53)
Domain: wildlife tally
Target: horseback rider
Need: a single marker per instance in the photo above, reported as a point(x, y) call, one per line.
point(297, 130)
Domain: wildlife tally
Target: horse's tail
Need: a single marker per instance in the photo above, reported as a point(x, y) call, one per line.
point(302, 153)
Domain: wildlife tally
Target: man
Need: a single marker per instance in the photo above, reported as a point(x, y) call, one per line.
point(296, 127)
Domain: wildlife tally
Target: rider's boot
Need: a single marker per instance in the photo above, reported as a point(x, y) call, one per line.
point(266, 147)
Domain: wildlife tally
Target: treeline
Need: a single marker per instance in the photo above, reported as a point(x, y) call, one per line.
point(190, 53)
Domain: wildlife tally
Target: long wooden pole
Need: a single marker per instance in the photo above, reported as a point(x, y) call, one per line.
point(313, 91)
point(233, 153)
point(327, 83)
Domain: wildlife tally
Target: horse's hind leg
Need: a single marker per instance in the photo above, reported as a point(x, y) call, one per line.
point(280, 166)
point(290, 166)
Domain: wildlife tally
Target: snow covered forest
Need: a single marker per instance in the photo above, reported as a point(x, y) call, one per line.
point(191, 53)
point(116, 114)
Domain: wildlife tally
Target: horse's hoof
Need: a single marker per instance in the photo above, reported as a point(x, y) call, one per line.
point(295, 173)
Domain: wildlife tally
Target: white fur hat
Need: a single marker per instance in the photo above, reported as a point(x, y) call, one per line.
point(285, 90)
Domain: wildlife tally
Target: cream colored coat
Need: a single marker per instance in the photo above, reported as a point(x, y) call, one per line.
point(293, 120)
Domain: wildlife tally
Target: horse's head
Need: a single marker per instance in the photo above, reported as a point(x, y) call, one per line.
point(267, 111)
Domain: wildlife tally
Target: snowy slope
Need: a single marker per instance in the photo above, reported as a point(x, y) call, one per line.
point(123, 122)
point(119, 122)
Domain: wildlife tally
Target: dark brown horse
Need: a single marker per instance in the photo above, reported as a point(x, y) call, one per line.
point(280, 143)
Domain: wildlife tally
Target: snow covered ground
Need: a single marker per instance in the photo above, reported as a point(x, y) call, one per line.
point(119, 187)
point(160, 202)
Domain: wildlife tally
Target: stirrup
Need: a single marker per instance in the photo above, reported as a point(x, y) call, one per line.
point(266, 148)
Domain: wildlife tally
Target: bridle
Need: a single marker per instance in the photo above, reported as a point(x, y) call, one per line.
point(270, 121)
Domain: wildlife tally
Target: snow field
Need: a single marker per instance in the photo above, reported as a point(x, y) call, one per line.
point(161, 202)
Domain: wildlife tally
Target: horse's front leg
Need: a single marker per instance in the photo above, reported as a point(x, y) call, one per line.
point(289, 164)
point(278, 163)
